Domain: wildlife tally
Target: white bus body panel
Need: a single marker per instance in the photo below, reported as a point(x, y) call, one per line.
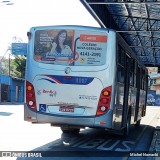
point(55, 94)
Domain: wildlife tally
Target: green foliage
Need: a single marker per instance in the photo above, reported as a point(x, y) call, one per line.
point(19, 65)
point(14, 66)
point(4, 66)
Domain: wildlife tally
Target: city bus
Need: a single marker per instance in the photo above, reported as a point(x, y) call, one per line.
point(80, 76)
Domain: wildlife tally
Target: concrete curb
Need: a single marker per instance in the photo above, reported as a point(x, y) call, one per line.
point(11, 103)
point(155, 144)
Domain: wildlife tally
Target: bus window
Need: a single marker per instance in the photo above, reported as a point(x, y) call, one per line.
point(120, 76)
point(144, 80)
point(121, 65)
point(70, 47)
point(121, 56)
point(141, 79)
point(135, 73)
point(132, 72)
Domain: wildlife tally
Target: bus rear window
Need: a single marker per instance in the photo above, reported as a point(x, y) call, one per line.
point(70, 47)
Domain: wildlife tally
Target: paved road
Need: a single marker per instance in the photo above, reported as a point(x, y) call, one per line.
point(18, 135)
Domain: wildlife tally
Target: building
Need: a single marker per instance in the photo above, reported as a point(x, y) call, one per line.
point(11, 89)
point(155, 83)
point(153, 97)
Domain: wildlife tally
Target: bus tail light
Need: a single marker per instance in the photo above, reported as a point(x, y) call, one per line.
point(104, 101)
point(30, 96)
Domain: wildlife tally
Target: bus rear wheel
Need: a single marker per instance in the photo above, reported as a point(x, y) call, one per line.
point(127, 128)
point(70, 130)
point(138, 123)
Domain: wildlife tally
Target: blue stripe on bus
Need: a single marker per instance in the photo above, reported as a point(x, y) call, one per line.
point(47, 80)
point(68, 79)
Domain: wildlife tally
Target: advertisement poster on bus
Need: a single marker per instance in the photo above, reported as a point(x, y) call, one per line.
point(70, 47)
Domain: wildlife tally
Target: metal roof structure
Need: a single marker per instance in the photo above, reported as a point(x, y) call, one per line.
point(138, 21)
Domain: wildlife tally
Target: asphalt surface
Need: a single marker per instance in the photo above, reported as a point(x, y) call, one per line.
point(150, 141)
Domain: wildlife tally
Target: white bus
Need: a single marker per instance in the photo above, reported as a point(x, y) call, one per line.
point(79, 77)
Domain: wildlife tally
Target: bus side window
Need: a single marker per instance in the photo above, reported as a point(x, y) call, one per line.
point(132, 63)
point(121, 64)
point(144, 80)
point(135, 73)
point(138, 78)
point(120, 74)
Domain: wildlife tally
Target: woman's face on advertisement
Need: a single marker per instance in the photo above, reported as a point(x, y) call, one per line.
point(62, 37)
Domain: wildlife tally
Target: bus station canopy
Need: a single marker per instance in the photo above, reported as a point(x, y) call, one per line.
point(138, 21)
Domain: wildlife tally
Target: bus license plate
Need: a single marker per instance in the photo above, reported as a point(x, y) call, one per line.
point(66, 109)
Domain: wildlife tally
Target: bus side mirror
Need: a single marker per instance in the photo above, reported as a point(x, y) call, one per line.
point(29, 35)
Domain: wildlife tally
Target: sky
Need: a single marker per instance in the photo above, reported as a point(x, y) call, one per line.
point(17, 19)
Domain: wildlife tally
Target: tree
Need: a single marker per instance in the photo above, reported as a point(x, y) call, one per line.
point(13, 65)
point(16, 67)
point(19, 64)
point(4, 66)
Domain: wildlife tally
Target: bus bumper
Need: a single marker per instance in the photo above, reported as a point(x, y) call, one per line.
point(29, 115)
point(104, 121)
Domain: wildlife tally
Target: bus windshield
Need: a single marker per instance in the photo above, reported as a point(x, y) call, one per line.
point(70, 47)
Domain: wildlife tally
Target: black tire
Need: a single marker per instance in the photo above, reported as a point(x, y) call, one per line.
point(70, 130)
point(127, 128)
point(138, 123)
